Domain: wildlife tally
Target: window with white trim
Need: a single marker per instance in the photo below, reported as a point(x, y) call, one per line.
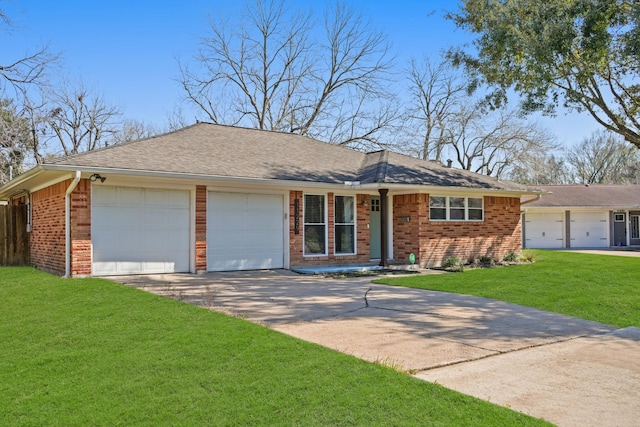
point(445, 208)
point(344, 225)
point(315, 225)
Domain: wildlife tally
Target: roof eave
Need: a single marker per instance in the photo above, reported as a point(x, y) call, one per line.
point(426, 188)
point(22, 182)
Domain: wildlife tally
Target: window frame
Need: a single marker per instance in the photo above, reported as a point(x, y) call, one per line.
point(448, 208)
point(351, 224)
point(324, 224)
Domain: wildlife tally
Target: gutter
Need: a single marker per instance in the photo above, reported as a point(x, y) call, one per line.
point(535, 199)
point(67, 223)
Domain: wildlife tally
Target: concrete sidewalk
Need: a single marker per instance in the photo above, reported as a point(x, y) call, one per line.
point(568, 371)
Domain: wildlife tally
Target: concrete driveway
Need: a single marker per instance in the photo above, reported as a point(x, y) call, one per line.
point(569, 371)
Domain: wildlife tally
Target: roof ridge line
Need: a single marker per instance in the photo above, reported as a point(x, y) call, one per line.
point(383, 164)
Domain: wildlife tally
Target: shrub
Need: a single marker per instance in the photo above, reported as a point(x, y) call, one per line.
point(453, 263)
point(485, 260)
point(511, 257)
point(528, 256)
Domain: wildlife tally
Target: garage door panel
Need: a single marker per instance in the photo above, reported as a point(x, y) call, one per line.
point(140, 231)
point(544, 230)
point(244, 231)
point(129, 196)
point(589, 229)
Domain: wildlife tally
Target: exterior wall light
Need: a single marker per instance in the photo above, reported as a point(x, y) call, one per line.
point(96, 176)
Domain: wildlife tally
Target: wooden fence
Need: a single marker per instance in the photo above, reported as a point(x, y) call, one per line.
point(14, 239)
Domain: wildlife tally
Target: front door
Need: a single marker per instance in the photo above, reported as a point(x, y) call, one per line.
point(374, 229)
point(634, 220)
point(619, 229)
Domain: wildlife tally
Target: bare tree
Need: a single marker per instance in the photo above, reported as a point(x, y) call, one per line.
point(15, 139)
point(132, 130)
point(29, 70)
point(437, 91)
point(81, 121)
point(492, 142)
point(269, 72)
point(542, 169)
point(603, 158)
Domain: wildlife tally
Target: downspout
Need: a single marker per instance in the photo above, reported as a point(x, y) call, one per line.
point(524, 229)
point(67, 223)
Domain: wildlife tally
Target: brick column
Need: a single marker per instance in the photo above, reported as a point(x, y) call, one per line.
point(201, 228)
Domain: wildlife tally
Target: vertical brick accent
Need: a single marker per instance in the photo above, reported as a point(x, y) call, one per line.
point(201, 228)
point(296, 244)
point(408, 214)
point(81, 229)
point(47, 239)
point(498, 234)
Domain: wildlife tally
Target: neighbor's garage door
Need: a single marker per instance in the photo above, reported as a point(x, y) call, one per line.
point(244, 231)
point(589, 230)
point(544, 230)
point(139, 230)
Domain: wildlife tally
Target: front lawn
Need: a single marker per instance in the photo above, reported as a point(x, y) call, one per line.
point(602, 288)
point(78, 352)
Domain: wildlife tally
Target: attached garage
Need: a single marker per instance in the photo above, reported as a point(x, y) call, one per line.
point(245, 231)
point(588, 230)
point(139, 230)
point(544, 230)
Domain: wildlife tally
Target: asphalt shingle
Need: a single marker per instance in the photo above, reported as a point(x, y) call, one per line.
point(593, 195)
point(227, 151)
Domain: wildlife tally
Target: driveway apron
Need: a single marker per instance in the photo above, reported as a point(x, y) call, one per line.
point(568, 371)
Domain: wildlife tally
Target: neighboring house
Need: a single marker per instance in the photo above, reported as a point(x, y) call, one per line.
point(583, 216)
point(213, 198)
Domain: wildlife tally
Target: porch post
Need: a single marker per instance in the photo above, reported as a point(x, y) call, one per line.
point(384, 249)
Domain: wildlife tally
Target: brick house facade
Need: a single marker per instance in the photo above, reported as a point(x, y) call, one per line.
point(434, 241)
point(337, 174)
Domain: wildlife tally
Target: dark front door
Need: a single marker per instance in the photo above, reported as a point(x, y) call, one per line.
point(619, 229)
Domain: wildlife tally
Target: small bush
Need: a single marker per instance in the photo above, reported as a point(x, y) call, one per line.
point(485, 260)
point(528, 256)
point(453, 263)
point(511, 257)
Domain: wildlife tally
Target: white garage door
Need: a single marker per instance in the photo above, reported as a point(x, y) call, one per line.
point(544, 230)
point(139, 230)
point(589, 230)
point(244, 231)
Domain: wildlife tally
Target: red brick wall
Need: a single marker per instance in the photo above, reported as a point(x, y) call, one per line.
point(406, 234)
point(47, 238)
point(498, 234)
point(296, 243)
point(201, 228)
point(81, 229)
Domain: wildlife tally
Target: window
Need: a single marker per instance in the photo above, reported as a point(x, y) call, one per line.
point(456, 208)
point(618, 217)
point(344, 223)
point(438, 207)
point(474, 205)
point(315, 227)
point(443, 208)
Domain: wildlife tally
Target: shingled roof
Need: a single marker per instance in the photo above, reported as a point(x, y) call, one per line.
point(602, 196)
point(227, 151)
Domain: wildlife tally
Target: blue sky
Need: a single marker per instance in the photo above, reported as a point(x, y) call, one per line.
point(127, 50)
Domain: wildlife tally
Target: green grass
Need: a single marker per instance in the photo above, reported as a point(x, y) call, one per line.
point(602, 288)
point(91, 352)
